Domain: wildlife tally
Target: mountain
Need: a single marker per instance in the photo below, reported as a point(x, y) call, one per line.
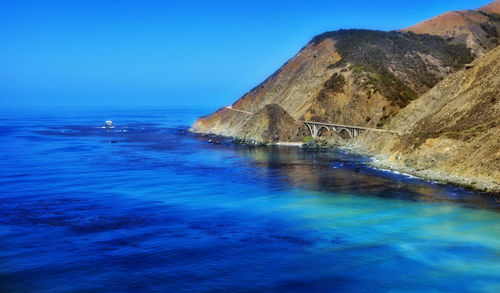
point(478, 29)
point(438, 82)
point(452, 131)
point(359, 77)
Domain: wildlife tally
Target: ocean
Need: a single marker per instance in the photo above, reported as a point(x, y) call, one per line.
point(148, 206)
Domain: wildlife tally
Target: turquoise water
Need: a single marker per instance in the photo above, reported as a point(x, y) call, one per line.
point(149, 207)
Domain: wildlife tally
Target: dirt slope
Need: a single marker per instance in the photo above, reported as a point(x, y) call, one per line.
point(357, 77)
point(478, 29)
point(453, 131)
point(271, 124)
point(492, 8)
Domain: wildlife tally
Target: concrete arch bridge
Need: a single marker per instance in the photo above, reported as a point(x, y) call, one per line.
point(351, 131)
point(316, 127)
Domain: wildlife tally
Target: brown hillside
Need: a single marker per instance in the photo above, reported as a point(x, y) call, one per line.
point(492, 8)
point(292, 87)
point(415, 80)
point(478, 29)
point(357, 77)
point(453, 129)
point(271, 124)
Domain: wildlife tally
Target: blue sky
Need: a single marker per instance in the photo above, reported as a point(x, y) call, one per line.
point(170, 53)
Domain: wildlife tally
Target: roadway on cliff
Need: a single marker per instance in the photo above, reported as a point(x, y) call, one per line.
point(315, 127)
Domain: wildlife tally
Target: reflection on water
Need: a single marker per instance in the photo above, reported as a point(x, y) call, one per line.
point(147, 206)
point(337, 171)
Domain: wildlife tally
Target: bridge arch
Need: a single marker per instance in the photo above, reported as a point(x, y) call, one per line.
point(312, 129)
point(344, 132)
point(322, 130)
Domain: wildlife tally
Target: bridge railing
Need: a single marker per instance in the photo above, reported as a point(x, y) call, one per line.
point(325, 124)
point(348, 126)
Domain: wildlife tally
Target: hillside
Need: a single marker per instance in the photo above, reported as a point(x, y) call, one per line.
point(438, 82)
point(492, 8)
point(478, 29)
point(358, 77)
point(271, 124)
point(453, 131)
point(362, 77)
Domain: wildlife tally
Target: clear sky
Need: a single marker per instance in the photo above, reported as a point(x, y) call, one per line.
point(170, 53)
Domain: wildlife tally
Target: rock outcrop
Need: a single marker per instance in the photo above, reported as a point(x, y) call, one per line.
point(356, 77)
point(363, 77)
point(422, 81)
point(292, 87)
point(271, 124)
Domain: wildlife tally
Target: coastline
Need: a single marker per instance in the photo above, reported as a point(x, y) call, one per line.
point(440, 177)
point(293, 144)
point(381, 162)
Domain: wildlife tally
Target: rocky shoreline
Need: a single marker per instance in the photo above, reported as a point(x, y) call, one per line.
point(383, 162)
point(433, 85)
point(378, 161)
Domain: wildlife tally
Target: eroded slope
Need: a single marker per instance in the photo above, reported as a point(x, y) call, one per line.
point(452, 130)
point(357, 77)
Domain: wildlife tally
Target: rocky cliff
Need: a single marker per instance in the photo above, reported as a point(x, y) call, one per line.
point(452, 132)
point(271, 124)
point(292, 87)
point(362, 77)
point(357, 77)
point(413, 80)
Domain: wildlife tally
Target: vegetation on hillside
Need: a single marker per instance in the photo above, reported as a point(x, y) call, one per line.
point(385, 56)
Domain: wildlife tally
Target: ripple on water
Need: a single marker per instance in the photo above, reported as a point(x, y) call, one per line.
point(161, 209)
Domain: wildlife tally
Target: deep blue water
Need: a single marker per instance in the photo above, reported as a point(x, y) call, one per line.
point(148, 206)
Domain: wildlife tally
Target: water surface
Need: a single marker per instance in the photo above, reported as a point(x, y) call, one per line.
point(149, 207)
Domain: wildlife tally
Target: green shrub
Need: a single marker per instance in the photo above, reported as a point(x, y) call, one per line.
point(307, 138)
point(358, 69)
point(376, 77)
point(380, 54)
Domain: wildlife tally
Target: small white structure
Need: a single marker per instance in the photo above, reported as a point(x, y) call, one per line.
point(109, 124)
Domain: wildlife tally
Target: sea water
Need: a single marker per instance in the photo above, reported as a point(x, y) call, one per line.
point(147, 206)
